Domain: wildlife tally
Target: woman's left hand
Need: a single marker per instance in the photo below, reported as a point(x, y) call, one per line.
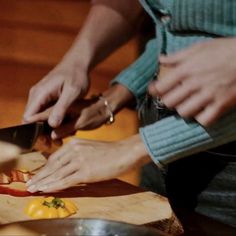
point(202, 82)
point(84, 114)
point(84, 161)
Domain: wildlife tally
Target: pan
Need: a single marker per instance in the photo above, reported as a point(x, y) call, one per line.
point(74, 226)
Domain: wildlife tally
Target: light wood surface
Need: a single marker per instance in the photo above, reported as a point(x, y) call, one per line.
point(139, 208)
point(135, 206)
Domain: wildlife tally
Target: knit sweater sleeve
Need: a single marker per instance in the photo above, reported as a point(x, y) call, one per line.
point(137, 76)
point(173, 137)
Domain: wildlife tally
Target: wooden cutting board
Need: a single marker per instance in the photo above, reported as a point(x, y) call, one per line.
point(112, 200)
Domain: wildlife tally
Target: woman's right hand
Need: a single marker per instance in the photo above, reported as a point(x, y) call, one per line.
point(63, 85)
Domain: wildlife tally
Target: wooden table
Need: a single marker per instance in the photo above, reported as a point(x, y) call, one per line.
point(110, 200)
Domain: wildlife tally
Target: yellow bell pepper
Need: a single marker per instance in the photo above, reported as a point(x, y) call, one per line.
point(50, 207)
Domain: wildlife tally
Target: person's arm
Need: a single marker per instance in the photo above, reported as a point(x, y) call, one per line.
point(173, 138)
point(129, 85)
point(202, 81)
point(132, 83)
point(108, 25)
point(86, 161)
point(106, 28)
point(83, 161)
point(80, 165)
point(139, 74)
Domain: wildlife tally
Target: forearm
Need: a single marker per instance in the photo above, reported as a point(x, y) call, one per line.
point(118, 96)
point(106, 28)
point(136, 156)
point(138, 75)
point(173, 138)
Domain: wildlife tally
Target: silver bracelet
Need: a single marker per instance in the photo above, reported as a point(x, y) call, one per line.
point(108, 107)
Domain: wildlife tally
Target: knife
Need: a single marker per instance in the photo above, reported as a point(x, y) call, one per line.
point(25, 136)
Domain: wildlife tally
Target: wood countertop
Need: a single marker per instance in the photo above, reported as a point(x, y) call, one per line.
point(111, 200)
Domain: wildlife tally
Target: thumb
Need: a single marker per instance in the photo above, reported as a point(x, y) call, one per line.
point(68, 96)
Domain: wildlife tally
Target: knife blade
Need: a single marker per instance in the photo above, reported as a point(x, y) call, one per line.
point(25, 136)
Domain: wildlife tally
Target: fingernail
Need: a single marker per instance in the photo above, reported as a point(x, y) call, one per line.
point(26, 119)
point(54, 122)
point(32, 189)
point(53, 135)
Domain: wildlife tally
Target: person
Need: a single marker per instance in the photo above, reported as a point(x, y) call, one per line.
point(196, 180)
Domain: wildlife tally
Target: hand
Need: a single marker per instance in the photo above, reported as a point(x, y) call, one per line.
point(87, 114)
point(63, 85)
point(84, 114)
point(84, 161)
point(202, 82)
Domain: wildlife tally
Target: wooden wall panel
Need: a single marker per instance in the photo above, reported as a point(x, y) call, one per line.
point(56, 14)
point(41, 31)
point(42, 47)
point(33, 46)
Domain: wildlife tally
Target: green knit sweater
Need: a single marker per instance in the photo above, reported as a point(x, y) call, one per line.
point(191, 21)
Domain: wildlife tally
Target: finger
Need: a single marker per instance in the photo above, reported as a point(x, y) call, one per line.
point(171, 79)
point(193, 105)
point(215, 110)
point(68, 96)
point(177, 57)
point(67, 182)
point(36, 101)
point(55, 161)
point(64, 130)
point(178, 94)
point(59, 175)
point(208, 115)
point(42, 116)
point(152, 89)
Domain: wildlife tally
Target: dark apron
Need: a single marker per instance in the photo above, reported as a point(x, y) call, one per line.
point(204, 182)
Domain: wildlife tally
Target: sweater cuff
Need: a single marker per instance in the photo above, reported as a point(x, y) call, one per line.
point(138, 75)
point(173, 138)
